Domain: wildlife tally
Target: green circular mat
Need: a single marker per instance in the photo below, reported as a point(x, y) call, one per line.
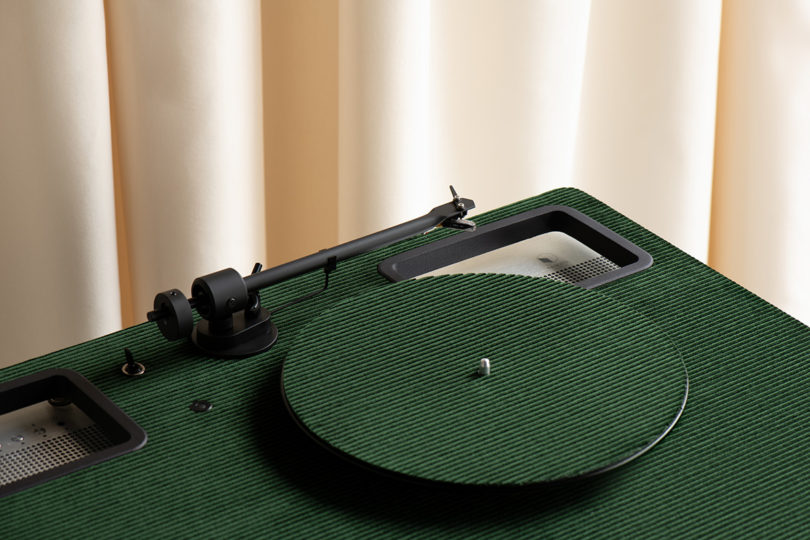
point(579, 383)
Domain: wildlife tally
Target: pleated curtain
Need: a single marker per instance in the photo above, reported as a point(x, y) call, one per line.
point(144, 143)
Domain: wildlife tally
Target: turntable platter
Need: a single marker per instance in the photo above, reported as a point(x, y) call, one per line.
point(578, 383)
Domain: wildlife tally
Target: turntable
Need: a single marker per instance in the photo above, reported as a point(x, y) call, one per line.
point(546, 368)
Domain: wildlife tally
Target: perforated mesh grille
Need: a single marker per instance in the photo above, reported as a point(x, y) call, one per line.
point(52, 453)
point(584, 270)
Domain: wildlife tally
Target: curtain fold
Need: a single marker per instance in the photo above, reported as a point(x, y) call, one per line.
point(480, 94)
point(646, 131)
point(383, 114)
point(145, 143)
point(186, 81)
point(58, 252)
point(506, 83)
point(760, 220)
point(300, 88)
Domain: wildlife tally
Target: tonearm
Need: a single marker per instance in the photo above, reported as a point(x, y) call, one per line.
point(233, 322)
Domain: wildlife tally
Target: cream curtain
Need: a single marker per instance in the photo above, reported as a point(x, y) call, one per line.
point(143, 143)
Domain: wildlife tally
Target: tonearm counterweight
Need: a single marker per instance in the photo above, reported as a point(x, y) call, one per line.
point(234, 324)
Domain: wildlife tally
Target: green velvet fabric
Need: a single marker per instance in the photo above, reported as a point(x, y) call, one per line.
point(735, 463)
point(580, 383)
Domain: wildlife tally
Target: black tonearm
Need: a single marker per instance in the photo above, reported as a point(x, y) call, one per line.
point(233, 323)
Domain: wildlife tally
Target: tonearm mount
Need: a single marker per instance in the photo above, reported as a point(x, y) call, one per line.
point(233, 322)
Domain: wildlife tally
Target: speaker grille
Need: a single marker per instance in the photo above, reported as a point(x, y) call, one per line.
point(51, 453)
point(584, 270)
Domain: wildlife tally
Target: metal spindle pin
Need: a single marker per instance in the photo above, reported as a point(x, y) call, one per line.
point(483, 367)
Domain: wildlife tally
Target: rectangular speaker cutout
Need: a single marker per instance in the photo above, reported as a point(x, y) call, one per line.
point(553, 242)
point(55, 422)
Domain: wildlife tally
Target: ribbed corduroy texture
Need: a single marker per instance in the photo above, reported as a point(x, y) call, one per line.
point(737, 461)
point(579, 382)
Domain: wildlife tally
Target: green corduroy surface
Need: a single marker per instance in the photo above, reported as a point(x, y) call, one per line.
point(580, 382)
point(735, 463)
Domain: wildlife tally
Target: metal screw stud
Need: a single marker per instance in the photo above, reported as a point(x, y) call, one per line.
point(484, 367)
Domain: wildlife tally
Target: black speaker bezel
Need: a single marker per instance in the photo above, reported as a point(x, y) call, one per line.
point(124, 434)
point(464, 245)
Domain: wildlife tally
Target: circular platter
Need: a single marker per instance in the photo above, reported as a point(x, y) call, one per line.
point(578, 383)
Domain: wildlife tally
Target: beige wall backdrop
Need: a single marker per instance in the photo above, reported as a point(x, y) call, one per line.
point(143, 143)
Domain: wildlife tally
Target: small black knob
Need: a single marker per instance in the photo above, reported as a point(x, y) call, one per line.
point(132, 368)
point(173, 314)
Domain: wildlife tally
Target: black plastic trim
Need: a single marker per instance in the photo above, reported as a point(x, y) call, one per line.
point(629, 257)
point(119, 428)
